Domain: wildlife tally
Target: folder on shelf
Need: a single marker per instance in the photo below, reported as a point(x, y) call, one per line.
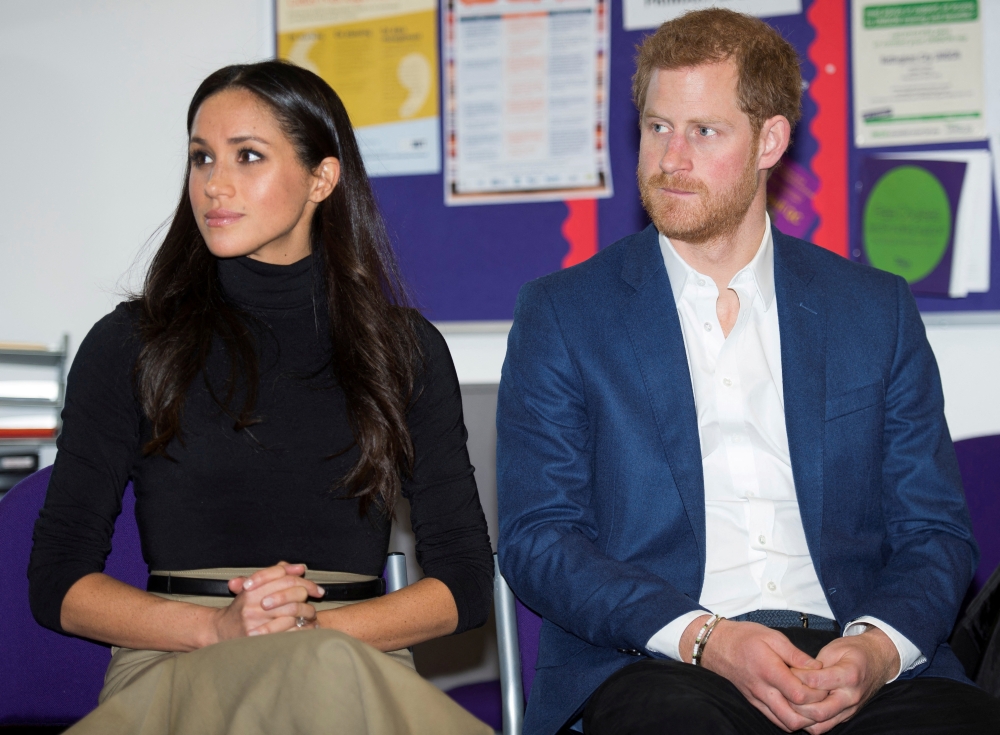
point(38, 390)
point(30, 426)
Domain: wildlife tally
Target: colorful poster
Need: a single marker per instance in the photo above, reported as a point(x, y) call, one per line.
point(790, 192)
point(908, 219)
point(526, 101)
point(643, 14)
point(918, 72)
point(381, 58)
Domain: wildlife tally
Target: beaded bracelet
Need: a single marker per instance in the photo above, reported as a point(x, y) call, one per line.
point(701, 640)
point(698, 639)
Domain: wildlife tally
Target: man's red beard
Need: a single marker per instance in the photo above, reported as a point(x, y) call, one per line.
point(708, 216)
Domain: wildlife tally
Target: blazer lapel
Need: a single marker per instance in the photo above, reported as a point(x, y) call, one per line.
point(654, 329)
point(802, 325)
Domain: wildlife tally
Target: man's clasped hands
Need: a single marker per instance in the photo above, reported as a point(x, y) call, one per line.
point(794, 690)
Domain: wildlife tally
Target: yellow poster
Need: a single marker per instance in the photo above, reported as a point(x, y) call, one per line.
point(381, 58)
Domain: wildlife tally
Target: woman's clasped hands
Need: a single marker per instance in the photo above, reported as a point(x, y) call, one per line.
point(271, 600)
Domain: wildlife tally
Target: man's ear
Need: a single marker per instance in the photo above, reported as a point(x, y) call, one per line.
point(775, 135)
point(326, 175)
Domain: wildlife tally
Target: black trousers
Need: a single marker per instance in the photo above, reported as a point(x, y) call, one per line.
point(663, 697)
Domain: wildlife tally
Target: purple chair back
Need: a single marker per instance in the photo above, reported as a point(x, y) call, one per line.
point(979, 463)
point(48, 678)
point(529, 628)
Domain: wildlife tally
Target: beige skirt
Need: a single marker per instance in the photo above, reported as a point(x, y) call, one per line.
point(312, 681)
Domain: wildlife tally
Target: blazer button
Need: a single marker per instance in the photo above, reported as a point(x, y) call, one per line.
point(631, 652)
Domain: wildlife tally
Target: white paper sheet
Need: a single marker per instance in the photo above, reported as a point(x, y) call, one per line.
point(526, 101)
point(641, 14)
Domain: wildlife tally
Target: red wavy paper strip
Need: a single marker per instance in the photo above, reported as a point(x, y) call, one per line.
point(829, 126)
point(580, 230)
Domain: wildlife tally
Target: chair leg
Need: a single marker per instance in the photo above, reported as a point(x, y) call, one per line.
point(512, 696)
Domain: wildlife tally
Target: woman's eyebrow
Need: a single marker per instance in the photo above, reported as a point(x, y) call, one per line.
point(232, 141)
point(244, 138)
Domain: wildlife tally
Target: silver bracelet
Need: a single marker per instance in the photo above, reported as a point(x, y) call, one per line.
point(700, 639)
point(699, 645)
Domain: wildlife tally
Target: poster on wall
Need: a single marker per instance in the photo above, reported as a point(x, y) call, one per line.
point(926, 216)
point(918, 72)
point(643, 14)
point(908, 219)
point(525, 100)
point(381, 58)
point(970, 270)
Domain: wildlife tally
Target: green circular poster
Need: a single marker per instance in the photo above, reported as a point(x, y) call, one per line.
point(907, 222)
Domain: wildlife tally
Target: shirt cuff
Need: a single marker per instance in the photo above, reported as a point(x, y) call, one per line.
point(667, 640)
point(909, 654)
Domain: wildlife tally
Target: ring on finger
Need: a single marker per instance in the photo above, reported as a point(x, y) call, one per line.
point(300, 622)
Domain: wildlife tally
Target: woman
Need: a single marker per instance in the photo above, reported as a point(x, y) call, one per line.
point(270, 396)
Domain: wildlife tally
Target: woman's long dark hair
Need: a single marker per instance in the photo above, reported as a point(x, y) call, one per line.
point(375, 346)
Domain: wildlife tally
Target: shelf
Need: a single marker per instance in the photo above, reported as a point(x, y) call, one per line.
point(35, 357)
point(31, 357)
point(30, 403)
point(6, 444)
point(50, 358)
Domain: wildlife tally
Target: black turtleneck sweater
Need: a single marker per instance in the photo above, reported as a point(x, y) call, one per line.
point(251, 498)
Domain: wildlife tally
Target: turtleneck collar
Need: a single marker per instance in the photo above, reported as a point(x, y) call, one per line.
point(260, 285)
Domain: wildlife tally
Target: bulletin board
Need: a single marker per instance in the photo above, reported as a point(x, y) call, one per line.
point(468, 263)
point(974, 302)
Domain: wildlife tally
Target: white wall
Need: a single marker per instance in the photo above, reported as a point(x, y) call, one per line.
point(94, 95)
point(969, 357)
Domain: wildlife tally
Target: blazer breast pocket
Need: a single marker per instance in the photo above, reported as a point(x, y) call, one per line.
point(855, 400)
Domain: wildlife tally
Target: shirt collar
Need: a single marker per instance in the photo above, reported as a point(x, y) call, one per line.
point(761, 268)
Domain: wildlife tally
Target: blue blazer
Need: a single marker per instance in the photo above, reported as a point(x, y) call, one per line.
point(599, 472)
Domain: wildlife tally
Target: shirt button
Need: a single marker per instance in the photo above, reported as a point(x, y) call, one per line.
point(727, 382)
point(762, 539)
point(751, 494)
point(708, 327)
point(736, 438)
point(701, 281)
point(772, 586)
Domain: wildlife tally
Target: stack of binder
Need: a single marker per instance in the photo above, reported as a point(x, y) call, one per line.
point(32, 389)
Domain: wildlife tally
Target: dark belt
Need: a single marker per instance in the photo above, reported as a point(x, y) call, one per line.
point(345, 592)
point(788, 619)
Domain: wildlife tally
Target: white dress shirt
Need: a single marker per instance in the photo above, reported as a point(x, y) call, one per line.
point(757, 557)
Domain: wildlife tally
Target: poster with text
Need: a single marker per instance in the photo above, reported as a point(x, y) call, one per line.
point(908, 219)
point(525, 100)
point(380, 56)
point(643, 14)
point(918, 72)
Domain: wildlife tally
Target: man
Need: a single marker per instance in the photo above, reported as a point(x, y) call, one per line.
point(717, 442)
